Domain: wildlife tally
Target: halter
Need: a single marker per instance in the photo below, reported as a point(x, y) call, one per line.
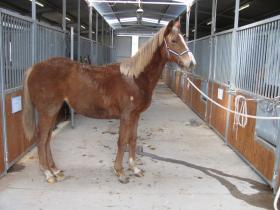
point(174, 52)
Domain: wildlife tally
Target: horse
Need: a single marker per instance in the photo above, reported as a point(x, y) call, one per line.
point(115, 91)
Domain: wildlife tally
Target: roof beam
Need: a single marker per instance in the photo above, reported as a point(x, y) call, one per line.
point(135, 2)
point(134, 12)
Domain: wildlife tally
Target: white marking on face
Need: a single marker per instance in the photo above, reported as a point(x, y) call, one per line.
point(131, 98)
point(189, 52)
point(182, 39)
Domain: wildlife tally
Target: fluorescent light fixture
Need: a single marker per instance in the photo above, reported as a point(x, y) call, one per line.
point(112, 21)
point(163, 22)
point(83, 27)
point(38, 3)
point(193, 30)
point(188, 2)
point(93, 32)
point(244, 6)
point(150, 20)
point(129, 19)
point(68, 19)
point(209, 23)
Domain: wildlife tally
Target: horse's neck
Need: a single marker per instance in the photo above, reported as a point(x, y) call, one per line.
point(150, 76)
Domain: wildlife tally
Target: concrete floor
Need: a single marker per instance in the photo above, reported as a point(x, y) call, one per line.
point(187, 167)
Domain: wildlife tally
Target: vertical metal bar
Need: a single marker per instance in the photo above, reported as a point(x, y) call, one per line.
point(233, 64)
point(33, 31)
point(273, 53)
point(270, 36)
point(90, 23)
point(277, 62)
point(96, 36)
point(64, 15)
point(3, 112)
point(261, 57)
point(78, 31)
point(275, 180)
point(258, 52)
point(112, 38)
point(102, 41)
point(249, 65)
point(245, 66)
point(90, 31)
point(195, 26)
point(187, 23)
point(213, 29)
point(102, 32)
point(72, 58)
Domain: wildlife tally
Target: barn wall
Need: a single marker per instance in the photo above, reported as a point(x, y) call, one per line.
point(16, 57)
point(246, 67)
point(243, 140)
point(17, 143)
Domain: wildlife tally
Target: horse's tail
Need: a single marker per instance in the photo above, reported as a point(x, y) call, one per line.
point(28, 118)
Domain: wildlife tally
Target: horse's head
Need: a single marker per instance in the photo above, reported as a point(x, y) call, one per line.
point(175, 47)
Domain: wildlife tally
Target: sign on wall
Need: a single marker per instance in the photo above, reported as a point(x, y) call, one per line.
point(16, 104)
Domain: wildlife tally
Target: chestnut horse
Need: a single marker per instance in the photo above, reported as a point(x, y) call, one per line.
point(116, 91)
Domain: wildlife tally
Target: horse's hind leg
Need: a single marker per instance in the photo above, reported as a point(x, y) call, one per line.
point(45, 126)
point(57, 172)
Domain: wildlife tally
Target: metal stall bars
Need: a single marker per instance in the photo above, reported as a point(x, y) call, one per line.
point(16, 47)
point(51, 42)
point(88, 52)
point(15, 42)
point(258, 58)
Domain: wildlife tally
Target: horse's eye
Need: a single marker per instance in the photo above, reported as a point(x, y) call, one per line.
point(173, 41)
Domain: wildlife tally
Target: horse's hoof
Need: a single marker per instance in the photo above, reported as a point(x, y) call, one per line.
point(51, 180)
point(123, 179)
point(59, 175)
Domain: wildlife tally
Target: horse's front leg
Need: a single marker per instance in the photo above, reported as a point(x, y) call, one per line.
point(127, 125)
point(132, 151)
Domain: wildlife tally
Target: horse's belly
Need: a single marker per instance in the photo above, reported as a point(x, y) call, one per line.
point(100, 112)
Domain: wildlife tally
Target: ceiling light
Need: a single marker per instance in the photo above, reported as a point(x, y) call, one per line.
point(188, 2)
point(38, 3)
point(163, 22)
point(244, 6)
point(93, 32)
point(68, 19)
point(129, 19)
point(193, 30)
point(209, 23)
point(150, 20)
point(83, 27)
point(112, 21)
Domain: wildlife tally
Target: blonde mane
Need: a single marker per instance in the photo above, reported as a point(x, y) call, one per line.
point(133, 66)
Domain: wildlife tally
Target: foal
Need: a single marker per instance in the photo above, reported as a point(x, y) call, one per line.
point(116, 91)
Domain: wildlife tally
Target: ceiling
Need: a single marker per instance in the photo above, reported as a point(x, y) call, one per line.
point(124, 17)
point(114, 13)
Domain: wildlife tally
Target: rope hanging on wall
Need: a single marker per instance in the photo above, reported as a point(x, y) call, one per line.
point(240, 120)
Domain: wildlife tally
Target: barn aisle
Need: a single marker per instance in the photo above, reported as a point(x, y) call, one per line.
point(187, 166)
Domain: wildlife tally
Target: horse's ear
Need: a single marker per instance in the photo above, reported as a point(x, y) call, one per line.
point(169, 27)
point(173, 25)
point(177, 24)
